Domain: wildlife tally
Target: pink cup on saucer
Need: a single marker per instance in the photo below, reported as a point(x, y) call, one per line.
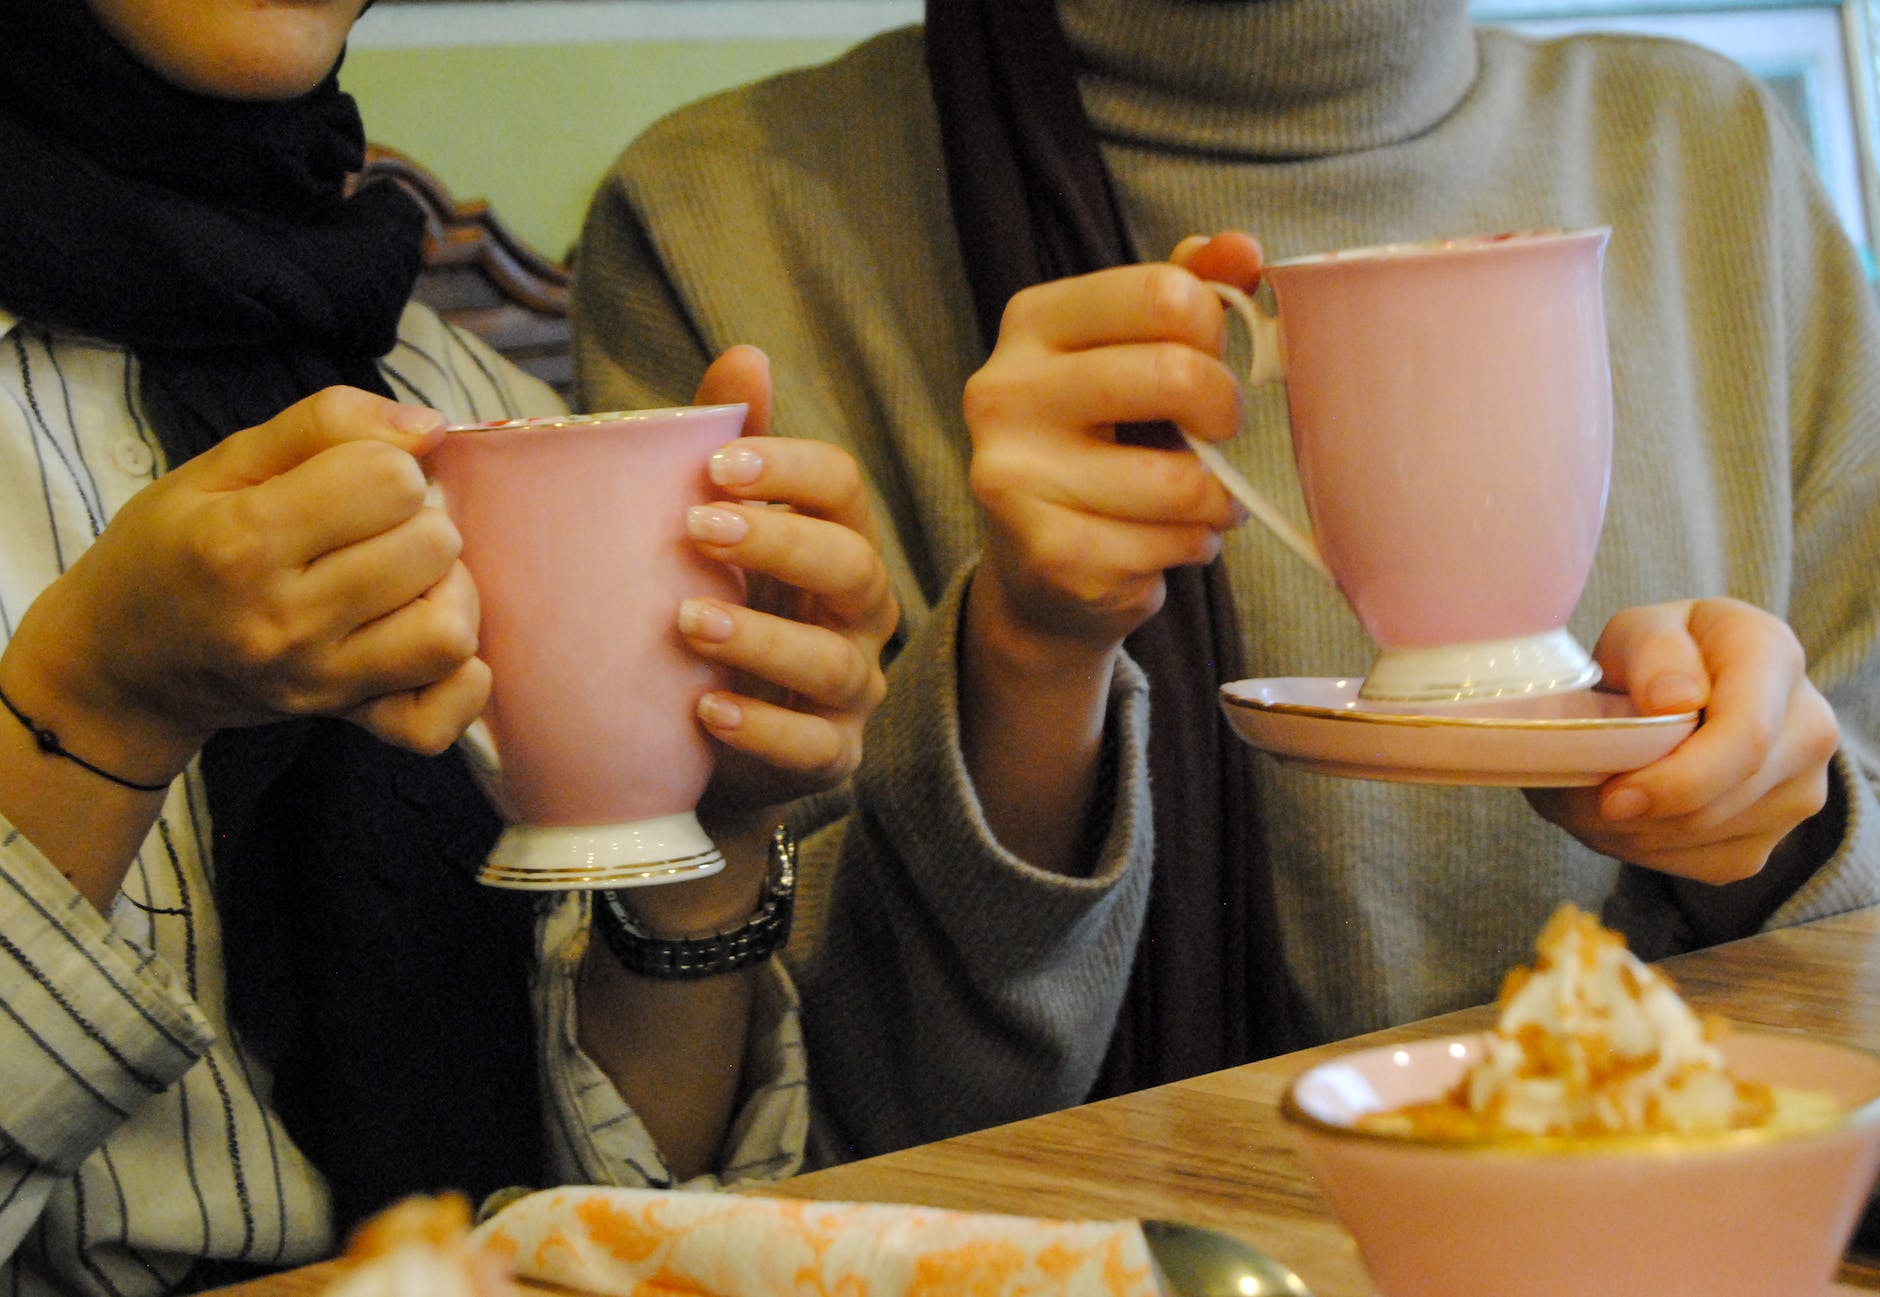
point(1451, 414)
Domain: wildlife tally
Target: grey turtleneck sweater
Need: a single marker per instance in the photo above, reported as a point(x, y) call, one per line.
point(946, 984)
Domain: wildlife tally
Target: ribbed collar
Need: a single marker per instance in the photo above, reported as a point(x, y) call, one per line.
point(1270, 79)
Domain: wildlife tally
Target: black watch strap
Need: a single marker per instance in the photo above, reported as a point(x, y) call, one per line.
point(708, 954)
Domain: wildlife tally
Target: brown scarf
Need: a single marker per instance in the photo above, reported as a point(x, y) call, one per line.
point(1032, 202)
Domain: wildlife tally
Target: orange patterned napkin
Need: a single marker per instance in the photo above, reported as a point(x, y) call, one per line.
point(654, 1243)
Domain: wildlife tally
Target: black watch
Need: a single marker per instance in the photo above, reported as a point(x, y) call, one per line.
point(750, 942)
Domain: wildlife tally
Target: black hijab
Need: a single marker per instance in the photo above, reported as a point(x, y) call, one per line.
point(1032, 202)
point(220, 243)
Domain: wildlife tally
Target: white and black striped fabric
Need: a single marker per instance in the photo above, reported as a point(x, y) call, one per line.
point(138, 1152)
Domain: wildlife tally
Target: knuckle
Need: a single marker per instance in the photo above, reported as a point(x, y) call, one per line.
point(1059, 561)
point(1821, 745)
point(233, 547)
point(995, 476)
point(437, 538)
point(1738, 866)
point(1809, 799)
point(833, 756)
point(478, 680)
point(862, 589)
point(847, 761)
point(1168, 300)
point(385, 472)
point(1201, 546)
point(1180, 376)
point(1128, 606)
point(260, 639)
point(840, 477)
point(875, 689)
point(856, 574)
point(989, 399)
point(886, 617)
point(1663, 646)
point(430, 733)
point(1823, 727)
point(852, 677)
point(297, 696)
point(1803, 796)
point(454, 641)
point(458, 585)
point(1757, 742)
point(1180, 483)
point(1023, 309)
point(1113, 596)
point(439, 637)
point(331, 405)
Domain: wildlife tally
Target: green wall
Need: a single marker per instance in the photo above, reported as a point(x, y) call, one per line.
point(531, 128)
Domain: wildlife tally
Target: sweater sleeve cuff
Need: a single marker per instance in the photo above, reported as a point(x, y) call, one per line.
point(915, 785)
point(1850, 877)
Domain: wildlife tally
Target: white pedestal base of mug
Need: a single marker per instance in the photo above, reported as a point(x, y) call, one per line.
point(555, 858)
point(1525, 667)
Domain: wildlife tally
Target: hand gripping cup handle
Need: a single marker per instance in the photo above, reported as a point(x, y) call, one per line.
point(1450, 410)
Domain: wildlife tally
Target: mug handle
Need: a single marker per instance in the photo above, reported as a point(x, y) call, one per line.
point(1263, 367)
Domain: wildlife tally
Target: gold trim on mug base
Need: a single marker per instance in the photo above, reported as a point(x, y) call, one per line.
point(664, 849)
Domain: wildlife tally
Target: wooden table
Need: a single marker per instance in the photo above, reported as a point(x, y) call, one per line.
point(1213, 1150)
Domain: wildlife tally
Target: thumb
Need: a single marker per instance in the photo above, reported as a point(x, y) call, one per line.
point(1232, 257)
point(742, 373)
point(327, 418)
point(1651, 654)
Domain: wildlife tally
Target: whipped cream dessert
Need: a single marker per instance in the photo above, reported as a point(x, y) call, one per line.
point(1592, 1041)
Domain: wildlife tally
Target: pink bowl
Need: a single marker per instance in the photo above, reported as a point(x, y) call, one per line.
point(1753, 1212)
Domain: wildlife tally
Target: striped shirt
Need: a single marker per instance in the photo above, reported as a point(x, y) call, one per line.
point(136, 1136)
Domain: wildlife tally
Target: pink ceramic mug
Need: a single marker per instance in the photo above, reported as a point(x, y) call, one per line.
point(1451, 415)
point(574, 531)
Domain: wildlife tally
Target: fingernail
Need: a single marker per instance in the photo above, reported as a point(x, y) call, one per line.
point(719, 526)
point(703, 619)
point(735, 465)
point(1625, 804)
point(415, 419)
point(1673, 693)
point(720, 712)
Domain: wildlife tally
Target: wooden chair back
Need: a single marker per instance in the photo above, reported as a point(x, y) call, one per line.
point(482, 278)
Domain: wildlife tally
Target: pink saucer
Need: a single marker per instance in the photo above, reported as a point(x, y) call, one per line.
point(1556, 741)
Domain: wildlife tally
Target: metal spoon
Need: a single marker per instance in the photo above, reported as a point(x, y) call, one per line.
point(1198, 1262)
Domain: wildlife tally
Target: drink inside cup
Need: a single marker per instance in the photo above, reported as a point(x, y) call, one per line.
point(574, 532)
point(1451, 413)
point(1591, 1042)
